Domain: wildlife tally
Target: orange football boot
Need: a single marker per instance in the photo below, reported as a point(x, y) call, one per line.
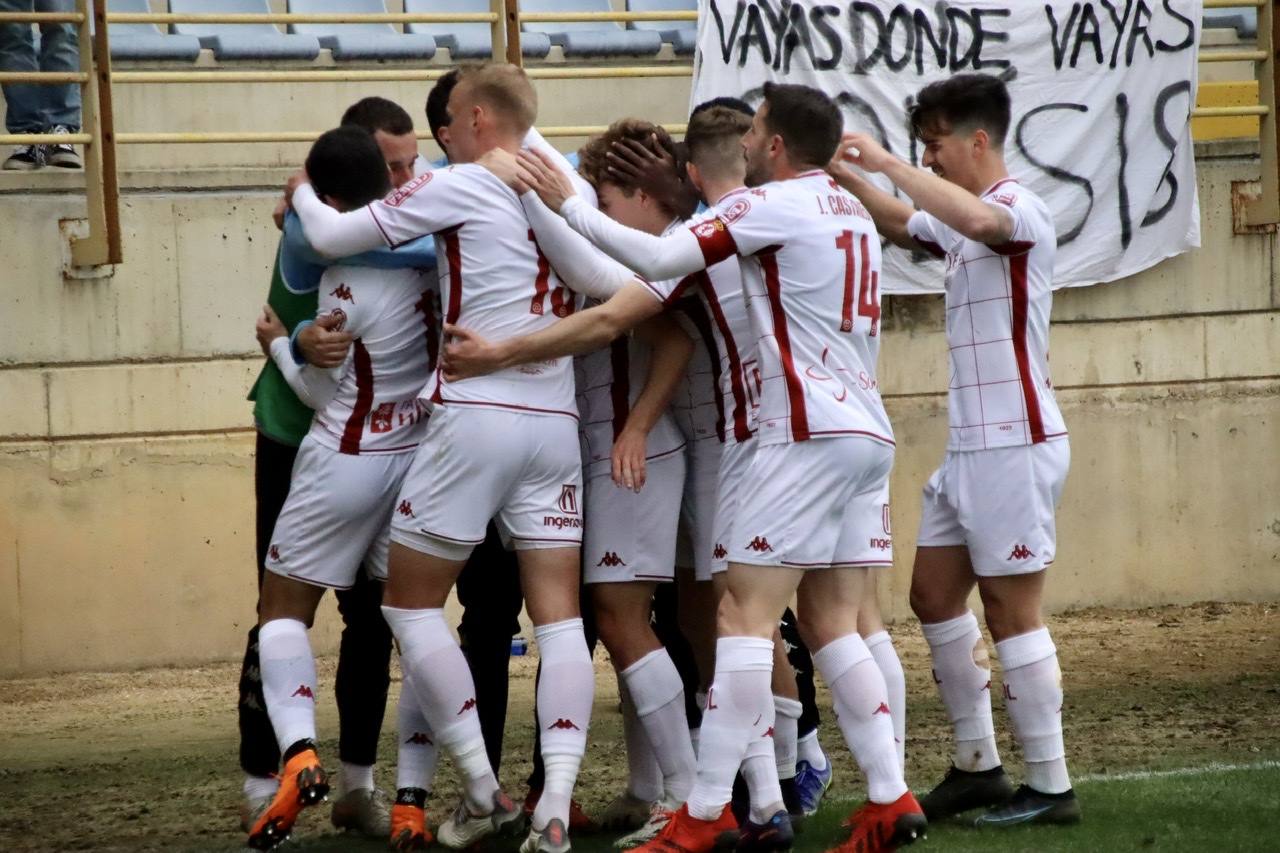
point(685, 833)
point(884, 827)
point(303, 783)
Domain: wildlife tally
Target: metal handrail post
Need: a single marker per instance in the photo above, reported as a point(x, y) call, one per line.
point(1265, 209)
point(511, 22)
point(102, 192)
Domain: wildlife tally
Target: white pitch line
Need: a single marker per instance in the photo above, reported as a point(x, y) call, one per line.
point(1203, 770)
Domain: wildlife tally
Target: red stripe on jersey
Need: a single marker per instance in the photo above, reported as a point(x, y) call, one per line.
point(932, 248)
point(539, 283)
point(1013, 247)
point(427, 306)
point(795, 391)
point(741, 429)
point(698, 316)
point(620, 387)
point(453, 254)
point(1018, 278)
point(350, 442)
point(715, 240)
point(683, 288)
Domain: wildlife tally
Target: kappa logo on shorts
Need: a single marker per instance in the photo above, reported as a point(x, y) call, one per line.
point(305, 692)
point(1020, 552)
point(760, 544)
point(719, 553)
point(406, 509)
point(610, 559)
point(274, 553)
point(343, 293)
point(420, 738)
point(466, 706)
point(562, 723)
point(568, 502)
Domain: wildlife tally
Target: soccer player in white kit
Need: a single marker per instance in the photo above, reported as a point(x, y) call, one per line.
point(501, 446)
point(988, 515)
point(810, 266)
point(367, 425)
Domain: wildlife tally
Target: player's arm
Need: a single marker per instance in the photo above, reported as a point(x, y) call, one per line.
point(890, 214)
point(334, 234)
point(672, 349)
point(314, 386)
point(580, 265)
point(951, 205)
point(467, 354)
point(673, 256)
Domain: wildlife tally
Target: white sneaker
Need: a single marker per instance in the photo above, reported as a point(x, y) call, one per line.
point(660, 814)
point(552, 839)
point(62, 154)
point(364, 811)
point(463, 829)
point(625, 813)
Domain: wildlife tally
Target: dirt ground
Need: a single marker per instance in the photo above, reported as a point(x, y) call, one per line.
point(147, 760)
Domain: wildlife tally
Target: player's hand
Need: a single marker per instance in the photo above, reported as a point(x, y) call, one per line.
point(322, 343)
point(864, 152)
point(502, 164)
point(539, 173)
point(628, 458)
point(277, 215)
point(653, 169)
point(268, 327)
point(296, 180)
point(466, 354)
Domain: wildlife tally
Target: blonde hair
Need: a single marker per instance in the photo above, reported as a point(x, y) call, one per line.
point(506, 89)
point(714, 139)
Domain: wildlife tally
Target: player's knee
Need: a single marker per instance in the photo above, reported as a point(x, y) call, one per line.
point(923, 604)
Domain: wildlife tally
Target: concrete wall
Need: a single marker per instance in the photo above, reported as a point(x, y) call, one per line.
point(126, 500)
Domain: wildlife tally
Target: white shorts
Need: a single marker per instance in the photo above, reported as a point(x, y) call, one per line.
point(815, 504)
point(337, 515)
point(696, 540)
point(524, 471)
point(734, 463)
point(631, 536)
point(1000, 504)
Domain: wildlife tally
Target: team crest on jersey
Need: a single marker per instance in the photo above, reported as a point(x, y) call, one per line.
point(341, 317)
point(343, 293)
point(568, 499)
point(397, 198)
point(735, 211)
point(1007, 199)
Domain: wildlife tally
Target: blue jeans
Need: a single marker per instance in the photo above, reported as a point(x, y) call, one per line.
point(30, 108)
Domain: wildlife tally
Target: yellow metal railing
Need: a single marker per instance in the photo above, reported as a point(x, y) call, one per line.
point(102, 245)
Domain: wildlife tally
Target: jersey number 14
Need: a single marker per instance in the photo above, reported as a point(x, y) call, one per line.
point(868, 285)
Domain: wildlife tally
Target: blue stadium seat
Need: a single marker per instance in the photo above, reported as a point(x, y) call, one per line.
point(243, 41)
point(145, 41)
point(681, 35)
point(1244, 20)
point(469, 41)
point(590, 38)
point(361, 41)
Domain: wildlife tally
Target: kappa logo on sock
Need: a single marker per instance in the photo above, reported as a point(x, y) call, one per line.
point(562, 723)
point(883, 709)
point(420, 739)
point(768, 732)
point(759, 544)
point(1020, 552)
point(305, 692)
point(466, 706)
point(610, 559)
point(719, 553)
point(406, 509)
point(274, 553)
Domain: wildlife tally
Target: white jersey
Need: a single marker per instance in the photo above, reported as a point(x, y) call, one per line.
point(719, 316)
point(395, 331)
point(494, 280)
point(998, 302)
point(609, 380)
point(811, 273)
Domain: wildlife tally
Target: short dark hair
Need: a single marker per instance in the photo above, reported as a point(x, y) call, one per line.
point(347, 165)
point(968, 101)
point(374, 114)
point(724, 101)
point(807, 120)
point(438, 102)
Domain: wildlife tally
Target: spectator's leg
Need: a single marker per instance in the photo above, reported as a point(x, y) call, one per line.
point(59, 51)
point(360, 686)
point(802, 662)
point(489, 592)
point(18, 53)
point(666, 624)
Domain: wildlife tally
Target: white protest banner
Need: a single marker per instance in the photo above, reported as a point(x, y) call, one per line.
point(1102, 95)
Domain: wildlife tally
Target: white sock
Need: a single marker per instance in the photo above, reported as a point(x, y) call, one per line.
point(881, 646)
point(760, 770)
point(1033, 697)
point(862, 709)
point(417, 756)
point(809, 749)
point(965, 685)
point(737, 703)
point(644, 776)
point(565, 693)
point(288, 680)
point(441, 681)
point(655, 686)
point(786, 724)
point(356, 776)
point(260, 787)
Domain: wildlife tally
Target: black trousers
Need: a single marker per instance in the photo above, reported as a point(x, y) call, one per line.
point(802, 662)
point(364, 655)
